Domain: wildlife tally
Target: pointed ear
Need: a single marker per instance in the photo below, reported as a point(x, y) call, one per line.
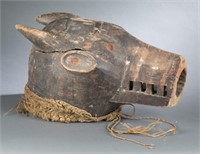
point(41, 39)
point(49, 17)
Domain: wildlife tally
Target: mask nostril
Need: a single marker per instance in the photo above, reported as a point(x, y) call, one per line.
point(181, 83)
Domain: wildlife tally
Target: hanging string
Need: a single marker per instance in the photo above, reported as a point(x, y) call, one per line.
point(141, 130)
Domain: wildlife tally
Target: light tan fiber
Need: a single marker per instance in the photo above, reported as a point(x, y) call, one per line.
point(57, 110)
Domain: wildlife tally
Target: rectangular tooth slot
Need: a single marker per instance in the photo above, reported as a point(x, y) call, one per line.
point(165, 91)
point(131, 83)
point(148, 88)
point(143, 87)
point(154, 89)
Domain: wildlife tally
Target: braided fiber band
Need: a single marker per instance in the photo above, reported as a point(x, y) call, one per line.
point(57, 110)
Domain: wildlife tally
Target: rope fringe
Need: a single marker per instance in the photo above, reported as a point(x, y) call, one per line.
point(150, 130)
point(57, 110)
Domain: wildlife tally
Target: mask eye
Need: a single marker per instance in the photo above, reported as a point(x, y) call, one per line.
point(78, 61)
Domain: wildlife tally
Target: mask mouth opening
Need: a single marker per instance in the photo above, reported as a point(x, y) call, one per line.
point(181, 82)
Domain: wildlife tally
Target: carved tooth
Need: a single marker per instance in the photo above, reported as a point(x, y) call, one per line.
point(41, 39)
point(49, 17)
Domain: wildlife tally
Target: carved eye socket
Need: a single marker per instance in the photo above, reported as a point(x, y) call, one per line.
point(78, 61)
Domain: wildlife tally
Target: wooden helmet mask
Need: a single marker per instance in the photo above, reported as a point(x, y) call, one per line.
point(98, 66)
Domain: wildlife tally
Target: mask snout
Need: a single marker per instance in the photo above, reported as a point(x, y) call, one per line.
point(153, 77)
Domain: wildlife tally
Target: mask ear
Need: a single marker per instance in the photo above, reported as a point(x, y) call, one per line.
point(78, 61)
point(41, 39)
point(50, 17)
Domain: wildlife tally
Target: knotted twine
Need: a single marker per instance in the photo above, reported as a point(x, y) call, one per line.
point(58, 110)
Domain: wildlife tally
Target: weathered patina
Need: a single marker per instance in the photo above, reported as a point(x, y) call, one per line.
point(98, 66)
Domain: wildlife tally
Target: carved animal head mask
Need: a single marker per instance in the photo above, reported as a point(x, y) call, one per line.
point(97, 66)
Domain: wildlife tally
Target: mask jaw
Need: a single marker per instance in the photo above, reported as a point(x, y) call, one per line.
point(153, 77)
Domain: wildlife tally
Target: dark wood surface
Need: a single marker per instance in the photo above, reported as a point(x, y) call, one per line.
point(122, 69)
